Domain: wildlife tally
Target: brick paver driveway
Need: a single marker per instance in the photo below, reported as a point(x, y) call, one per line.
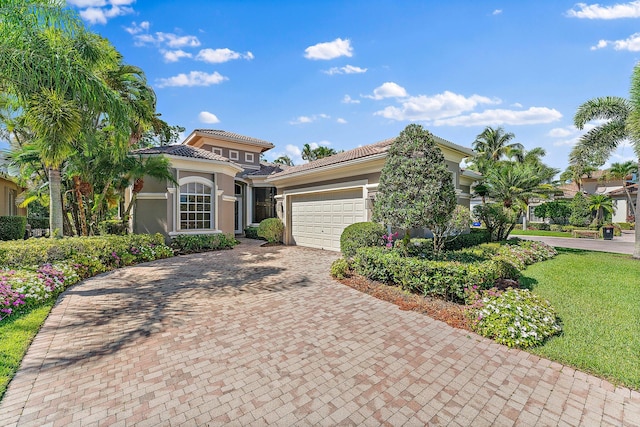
point(259, 336)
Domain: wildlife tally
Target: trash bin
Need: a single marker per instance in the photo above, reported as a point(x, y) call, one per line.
point(607, 233)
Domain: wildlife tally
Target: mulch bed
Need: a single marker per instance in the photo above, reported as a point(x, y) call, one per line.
point(448, 312)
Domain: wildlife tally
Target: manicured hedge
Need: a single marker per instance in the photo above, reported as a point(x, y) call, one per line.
point(104, 249)
point(12, 227)
point(271, 230)
point(38, 222)
point(251, 232)
point(360, 235)
point(446, 279)
point(190, 243)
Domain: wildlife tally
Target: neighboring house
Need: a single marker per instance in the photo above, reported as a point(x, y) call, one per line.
point(9, 192)
point(223, 187)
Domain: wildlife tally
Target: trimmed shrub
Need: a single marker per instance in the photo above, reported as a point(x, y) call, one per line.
point(568, 228)
point(340, 268)
point(555, 227)
point(475, 237)
point(36, 252)
point(539, 226)
point(625, 225)
point(516, 317)
point(251, 232)
point(38, 222)
point(271, 230)
point(360, 235)
point(12, 227)
point(446, 279)
point(190, 243)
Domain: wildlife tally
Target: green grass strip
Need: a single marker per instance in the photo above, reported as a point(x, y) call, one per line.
point(597, 296)
point(16, 334)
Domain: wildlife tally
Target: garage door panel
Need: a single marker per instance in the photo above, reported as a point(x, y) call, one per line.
point(319, 219)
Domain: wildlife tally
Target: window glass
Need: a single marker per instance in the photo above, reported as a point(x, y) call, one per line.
point(195, 206)
point(264, 204)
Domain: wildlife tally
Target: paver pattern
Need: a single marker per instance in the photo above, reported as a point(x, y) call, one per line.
point(263, 336)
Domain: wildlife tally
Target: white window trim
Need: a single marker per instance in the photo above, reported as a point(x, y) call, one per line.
point(234, 155)
point(249, 157)
point(214, 207)
point(217, 151)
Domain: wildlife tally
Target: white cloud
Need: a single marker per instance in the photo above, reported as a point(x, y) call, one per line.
point(561, 132)
point(136, 28)
point(498, 117)
point(348, 69)
point(174, 55)
point(100, 11)
point(388, 90)
point(348, 100)
point(329, 50)
point(516, 105)
point(168, 39)
point(497, 12)
point(194, 78)
point(308, 119)
point(207, 117)
point(632, 44)
point(595, 11)
point(217, 56)
point(423, 107)
point(341, 121)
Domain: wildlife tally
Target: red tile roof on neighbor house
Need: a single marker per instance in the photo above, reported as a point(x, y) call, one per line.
point(370, 150)
point(234, 137)
point(183, 151)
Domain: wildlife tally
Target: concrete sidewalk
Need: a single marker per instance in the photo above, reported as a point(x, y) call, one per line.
point(263, 336)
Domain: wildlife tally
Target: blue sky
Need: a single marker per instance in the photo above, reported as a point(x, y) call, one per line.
point(350, 73)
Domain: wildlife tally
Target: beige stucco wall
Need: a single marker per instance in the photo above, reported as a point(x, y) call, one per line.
point(241, 154)
point(150, 216)
point(226, 208)
point(5, 187)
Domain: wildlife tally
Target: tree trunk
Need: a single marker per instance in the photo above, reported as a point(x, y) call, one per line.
point(82, 217)
point(55, 204)
point(636, 248)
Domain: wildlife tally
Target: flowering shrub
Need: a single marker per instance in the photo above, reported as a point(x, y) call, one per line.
point(10, 299)
point(515, 317)
point(523, 253)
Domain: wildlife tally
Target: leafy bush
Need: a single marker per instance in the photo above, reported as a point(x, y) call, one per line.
point(516, 317)
point(556, 227)
point(38, 222)
point(423, 248)
point(12, 227)
point(360, 235)
point(568, 228)
point(190, 243)
point(473, 238)
point(251, 232)
point(340, 268)
point(625, 225)
point(271, 230)
point(538, 226)
point(445, 279)
point(36, 252)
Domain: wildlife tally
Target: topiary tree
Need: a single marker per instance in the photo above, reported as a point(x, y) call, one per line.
point(459, 222)
point(580, 212)
point(416, 189)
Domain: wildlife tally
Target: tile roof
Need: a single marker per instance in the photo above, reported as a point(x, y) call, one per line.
point(618, 191)
point(266, 169)
point(183, 151)
point(235, 137)
point(359, 153)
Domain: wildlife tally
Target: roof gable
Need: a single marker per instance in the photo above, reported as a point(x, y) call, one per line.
point(229, 137)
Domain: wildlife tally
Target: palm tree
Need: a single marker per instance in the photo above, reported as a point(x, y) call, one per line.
point(602, 205)
point(48, 61)
point(284, 160)
point(492, 145)
point(620, 171)
point(307, 153)
point(622, 123)
point(310, 154)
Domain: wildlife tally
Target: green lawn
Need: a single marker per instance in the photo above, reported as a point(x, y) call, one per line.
point(597, 296)
point(16, 333)
point(540, 233)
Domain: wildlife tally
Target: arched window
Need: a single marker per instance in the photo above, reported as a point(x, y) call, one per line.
point(196, 204)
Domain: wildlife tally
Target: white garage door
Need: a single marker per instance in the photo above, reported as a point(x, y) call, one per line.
point(317, 220)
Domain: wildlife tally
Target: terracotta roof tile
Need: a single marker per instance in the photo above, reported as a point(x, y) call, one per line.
point(235, 137)
point(183, 151)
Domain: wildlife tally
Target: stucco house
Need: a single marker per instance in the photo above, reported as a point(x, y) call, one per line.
point(9, 192)
point(223, 187)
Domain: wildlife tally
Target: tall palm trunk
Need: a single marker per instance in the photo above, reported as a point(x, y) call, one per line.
point(636, 248)
point(82, 217)
point(55, 204)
